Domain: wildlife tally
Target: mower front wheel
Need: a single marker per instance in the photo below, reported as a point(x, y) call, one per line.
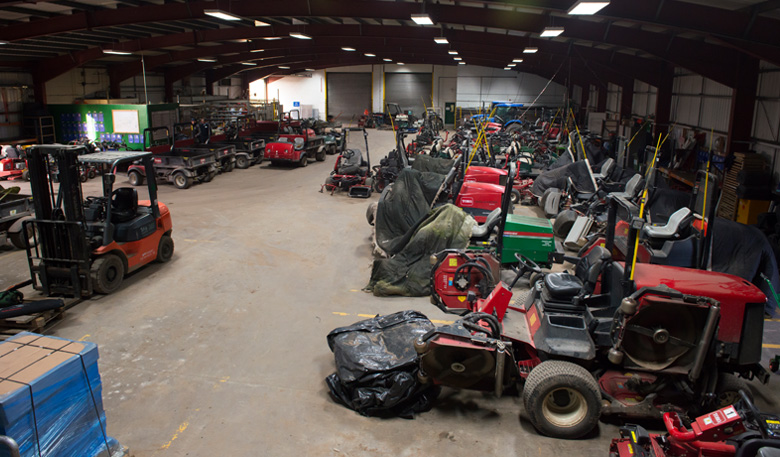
point(135, 178)
point(165, 249)
point(320, 155)
point(562, 399)
point(107, 273)
point(182, 181)
point(727, 392)
point(515, 196)
point(304, 161)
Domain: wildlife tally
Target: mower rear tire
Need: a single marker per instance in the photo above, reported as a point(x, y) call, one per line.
point(107, 272)
point(515, 196)
point(304, 161)
point(563, 400)
point(564, 221)
point(135, 178)
point(727, 392)
point(513, 128)
point(26, 175)
point(182, 181)
point(242, 162)
point(320, 156)
point(165, 249)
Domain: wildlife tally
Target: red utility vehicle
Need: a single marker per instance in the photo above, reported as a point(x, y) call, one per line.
point(296, 148)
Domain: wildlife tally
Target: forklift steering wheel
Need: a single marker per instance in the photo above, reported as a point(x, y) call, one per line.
point(763, 428)
point(528, 264)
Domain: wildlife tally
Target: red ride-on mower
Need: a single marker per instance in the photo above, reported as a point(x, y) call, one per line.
point(88, 245)
point(351, 173)
point(739, 430)
point(610, 338)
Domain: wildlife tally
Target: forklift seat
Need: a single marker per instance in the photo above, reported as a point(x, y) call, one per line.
point(586, 275)
point(124, 204)
point(677, 221)
point(483, 231)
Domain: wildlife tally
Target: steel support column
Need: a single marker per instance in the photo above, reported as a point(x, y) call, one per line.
point(743, 101)
point(663, 101)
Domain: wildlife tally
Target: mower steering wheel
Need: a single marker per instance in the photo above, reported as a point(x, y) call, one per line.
point(528, 264)
point(763, 427)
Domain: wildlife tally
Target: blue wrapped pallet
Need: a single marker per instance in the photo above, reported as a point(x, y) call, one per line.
point(51, 398)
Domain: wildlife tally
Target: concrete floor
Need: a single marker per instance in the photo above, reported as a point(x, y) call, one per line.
point(222, 351)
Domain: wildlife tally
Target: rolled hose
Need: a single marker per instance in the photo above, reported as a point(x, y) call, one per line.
point(485, 272)
point(471, 323)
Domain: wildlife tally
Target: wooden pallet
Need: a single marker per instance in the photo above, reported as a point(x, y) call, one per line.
point(30, 322)
point(729, 201)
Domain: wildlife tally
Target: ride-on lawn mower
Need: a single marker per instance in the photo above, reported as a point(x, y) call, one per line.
point(85, 246)
point(612, 338)
point(351, 173)
point(738, 430)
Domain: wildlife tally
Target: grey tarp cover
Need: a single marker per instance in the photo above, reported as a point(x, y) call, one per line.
point(432, 164)
point(409, 272)
point(402, 206)
point(557, 178)
point(737, 249)
point(376, 366)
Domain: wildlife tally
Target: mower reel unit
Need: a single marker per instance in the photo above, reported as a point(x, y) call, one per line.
point(459, 278)
point(351, 173)
point(609, 338)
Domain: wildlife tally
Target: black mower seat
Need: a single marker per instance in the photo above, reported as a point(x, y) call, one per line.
point(484, 230)
point(586, 274)
point(562, 286)
point(678, 220)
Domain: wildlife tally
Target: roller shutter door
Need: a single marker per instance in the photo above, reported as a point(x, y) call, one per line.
point(409, 90)
point(349, 95)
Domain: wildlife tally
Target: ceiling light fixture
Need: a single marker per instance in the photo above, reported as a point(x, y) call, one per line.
point(300, 36)
point(510, 65)
point(310, 69)
point(116, 53)
point(283, 67)
point(585, 7)
point(347, 49)
point(422, 19)
point(551, 31)
point(401, 63)
point(272, 38)
point(207, 60)
point(248, 63)
point(261, 24)
point(257, 50)
point(219, 14)
point(452, 53)
point(461, 63)
point(368, 54)
point(4, 42)
point(440, 40)
point(507, 68)
point(517, 60)
point(457, 58)
point(530, 50)
point(388, 60)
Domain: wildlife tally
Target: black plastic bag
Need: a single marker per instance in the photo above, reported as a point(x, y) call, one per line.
point(376, 366)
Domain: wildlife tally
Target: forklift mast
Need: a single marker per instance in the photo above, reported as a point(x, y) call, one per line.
point(67, 203)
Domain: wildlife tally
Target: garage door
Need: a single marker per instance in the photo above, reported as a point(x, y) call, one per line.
point(409, 90)
point(349, 95)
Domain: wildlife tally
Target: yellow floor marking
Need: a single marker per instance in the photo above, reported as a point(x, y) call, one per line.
point(772, 346)
point(772, 320)
point(223, 380)
point(181, 429)
point(354, 290)
point(83, 338)
point(374, 315)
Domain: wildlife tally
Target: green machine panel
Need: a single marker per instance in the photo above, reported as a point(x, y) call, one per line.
point(531, 236)
point(110, 122)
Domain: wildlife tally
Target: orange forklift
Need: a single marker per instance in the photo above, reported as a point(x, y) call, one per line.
point(87, 245)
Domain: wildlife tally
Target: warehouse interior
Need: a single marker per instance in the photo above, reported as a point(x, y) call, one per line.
point(389, 227)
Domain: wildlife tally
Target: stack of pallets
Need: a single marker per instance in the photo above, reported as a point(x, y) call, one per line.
point(748, 161)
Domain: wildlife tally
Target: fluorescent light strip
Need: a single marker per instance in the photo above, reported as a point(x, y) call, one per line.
point(401, 63)
point(261, 24)
point(461, 63)
point(530, 50)
point(310, 69)
point(583, 7)
point(551, 31)
point(368, 54)
point(517, 60)
point(510, 65)
point(219, 14)
point(207, 60)
point(457, 58)
point(272, 38)
point(441, 40)
point(116, 53)
point(248, 63)
point(257, 50)
point(422, 19)
point(348, 49)
point(388, 60)
point(4, 42)
point(300, 36)
point(507, 68)
point(283, 67)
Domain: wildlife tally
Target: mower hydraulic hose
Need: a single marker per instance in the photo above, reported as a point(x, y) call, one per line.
point(469, 265)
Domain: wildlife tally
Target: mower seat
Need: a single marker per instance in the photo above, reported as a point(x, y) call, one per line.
point(562, 286)
point(483, 230)
point(606, 169)
point(632, 189)
point(678, 220)
point(124, 204)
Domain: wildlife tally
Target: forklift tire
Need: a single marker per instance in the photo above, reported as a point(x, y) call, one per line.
point(107, 273)
point(320, 156)
point(564, 222)
point(19, 240)
point(135, 178)
point(562, 399)
point(727, 392)
point(304, 161)
point(165, 249)
point(181, 181)
point(242, 162)
point(515, 196)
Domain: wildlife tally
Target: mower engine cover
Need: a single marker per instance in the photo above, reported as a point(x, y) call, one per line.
point(487, 175)
point(456, 273)
point(479, 199)
point(530, 236)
